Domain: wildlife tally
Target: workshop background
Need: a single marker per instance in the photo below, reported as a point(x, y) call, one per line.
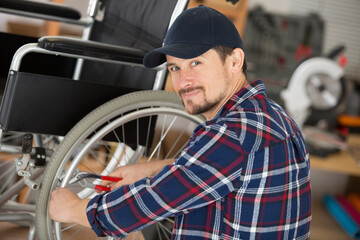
point(279, 35)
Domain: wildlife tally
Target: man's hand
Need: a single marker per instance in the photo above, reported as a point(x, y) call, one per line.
point(135, 172)
point(65, 206)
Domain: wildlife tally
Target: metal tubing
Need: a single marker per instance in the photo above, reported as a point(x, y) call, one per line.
point(18, 207)
point(179, 8)
point(159, 79)
point(20, 217)
point(38, 140)
point(160, 76)
point(80, 61)
point(15, 189)
point(20, 53)
point(12, 149)
point(92, 8)
point(6, 148)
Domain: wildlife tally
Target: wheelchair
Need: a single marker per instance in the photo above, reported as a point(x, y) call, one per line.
point(109, 108)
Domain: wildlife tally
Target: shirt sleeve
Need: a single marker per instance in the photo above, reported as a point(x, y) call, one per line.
point(208, 169)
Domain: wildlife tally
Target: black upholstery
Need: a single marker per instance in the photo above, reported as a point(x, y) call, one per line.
point(50, 105)
point(131, 23)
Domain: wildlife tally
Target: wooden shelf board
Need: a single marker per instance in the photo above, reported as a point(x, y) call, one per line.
point(341, 162)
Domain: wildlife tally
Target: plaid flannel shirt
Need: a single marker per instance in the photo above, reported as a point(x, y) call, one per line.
point(243, 175)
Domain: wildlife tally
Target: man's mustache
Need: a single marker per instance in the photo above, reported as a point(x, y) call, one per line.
point(190, 89)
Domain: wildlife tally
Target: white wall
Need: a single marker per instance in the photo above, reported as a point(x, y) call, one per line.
point(276, 6)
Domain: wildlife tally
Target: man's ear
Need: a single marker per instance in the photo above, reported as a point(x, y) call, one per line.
point(237, 60)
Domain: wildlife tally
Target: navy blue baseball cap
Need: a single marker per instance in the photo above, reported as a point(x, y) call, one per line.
point(194, 32)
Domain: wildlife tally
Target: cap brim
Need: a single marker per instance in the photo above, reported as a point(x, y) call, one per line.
point(157, 56)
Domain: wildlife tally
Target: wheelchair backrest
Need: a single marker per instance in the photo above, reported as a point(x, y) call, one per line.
point(131, 23)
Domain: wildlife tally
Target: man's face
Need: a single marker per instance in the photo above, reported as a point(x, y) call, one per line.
point(203, 83)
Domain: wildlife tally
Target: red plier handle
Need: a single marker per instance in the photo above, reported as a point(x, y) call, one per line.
point(106, 178)
point(102, 188)
point(110, 178)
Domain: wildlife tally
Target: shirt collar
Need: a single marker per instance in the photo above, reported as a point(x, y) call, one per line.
point(250, 90)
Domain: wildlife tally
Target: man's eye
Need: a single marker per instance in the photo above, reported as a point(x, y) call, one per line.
point(173, 68)
point(195, 63)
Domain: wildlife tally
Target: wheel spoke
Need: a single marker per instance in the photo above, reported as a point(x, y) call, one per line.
point(107, 138)
point(163, 135)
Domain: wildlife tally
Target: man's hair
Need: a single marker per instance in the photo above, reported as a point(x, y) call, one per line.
point(226, 51)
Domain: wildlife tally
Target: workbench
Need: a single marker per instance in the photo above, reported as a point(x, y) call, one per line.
point(341, 162)
point(323, 225)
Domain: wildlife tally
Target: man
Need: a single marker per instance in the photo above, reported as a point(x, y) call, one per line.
point(244, 173)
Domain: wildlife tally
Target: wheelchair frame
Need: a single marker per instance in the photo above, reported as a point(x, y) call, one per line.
point(46, 46)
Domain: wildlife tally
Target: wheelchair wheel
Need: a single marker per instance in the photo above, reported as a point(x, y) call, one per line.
point(142, 126)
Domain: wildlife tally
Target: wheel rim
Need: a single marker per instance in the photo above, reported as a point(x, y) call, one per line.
point(169, 122)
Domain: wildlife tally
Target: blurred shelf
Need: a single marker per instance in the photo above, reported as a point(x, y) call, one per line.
point(341, 162)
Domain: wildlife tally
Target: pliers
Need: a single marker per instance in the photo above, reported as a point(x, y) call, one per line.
point(83, 179)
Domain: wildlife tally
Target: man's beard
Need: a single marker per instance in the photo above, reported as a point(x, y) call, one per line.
point(195, 109)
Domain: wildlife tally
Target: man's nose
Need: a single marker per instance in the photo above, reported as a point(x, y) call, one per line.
point(185, 78)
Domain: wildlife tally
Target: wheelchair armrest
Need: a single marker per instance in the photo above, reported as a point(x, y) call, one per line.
point(92, 49)
point(42, 8)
